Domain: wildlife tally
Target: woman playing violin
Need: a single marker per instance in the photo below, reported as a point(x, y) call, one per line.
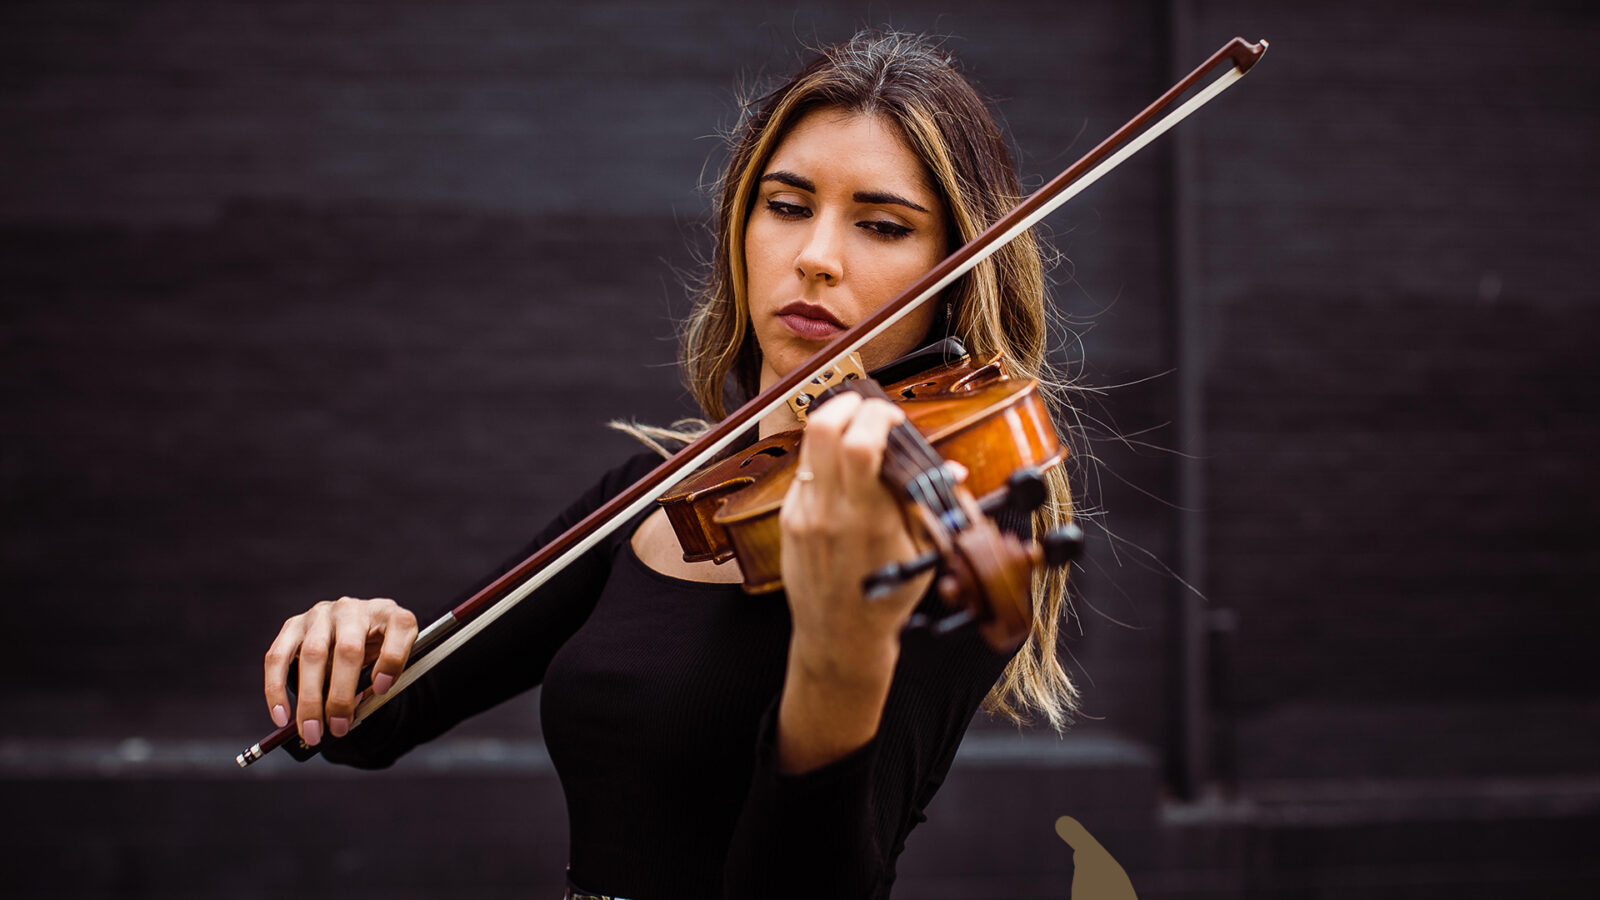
point(710, 742)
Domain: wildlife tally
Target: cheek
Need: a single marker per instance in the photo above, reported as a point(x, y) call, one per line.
point(905, 272)
point(906, 335)
point(915, 326)
point(759, 257)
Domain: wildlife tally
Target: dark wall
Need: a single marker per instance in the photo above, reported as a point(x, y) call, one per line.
point(310, 300)
point(302, 299)
point(1403, 387)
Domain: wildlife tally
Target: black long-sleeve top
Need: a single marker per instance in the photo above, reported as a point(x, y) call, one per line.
point(659, 710)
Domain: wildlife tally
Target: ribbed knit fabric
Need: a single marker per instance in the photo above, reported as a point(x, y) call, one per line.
point(659, 711)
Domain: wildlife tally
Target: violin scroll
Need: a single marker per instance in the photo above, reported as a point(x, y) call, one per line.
point(988, 571)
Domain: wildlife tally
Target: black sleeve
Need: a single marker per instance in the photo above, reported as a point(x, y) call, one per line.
point(836, 831)
point(506, 658)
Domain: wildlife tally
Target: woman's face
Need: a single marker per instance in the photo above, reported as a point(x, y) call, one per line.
point(845, 217)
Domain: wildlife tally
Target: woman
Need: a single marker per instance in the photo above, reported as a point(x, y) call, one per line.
point(709, 742)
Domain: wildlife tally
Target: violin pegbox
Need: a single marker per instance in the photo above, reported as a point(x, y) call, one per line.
point(985, 571)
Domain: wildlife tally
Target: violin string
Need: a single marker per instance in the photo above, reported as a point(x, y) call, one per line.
point(908, 458)
point(931, 487)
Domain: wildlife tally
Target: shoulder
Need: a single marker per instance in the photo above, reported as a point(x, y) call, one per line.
point(611, 483)
point(619, 478)
point(623, 475)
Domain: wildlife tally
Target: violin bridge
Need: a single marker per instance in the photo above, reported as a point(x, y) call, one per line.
point(846, 368)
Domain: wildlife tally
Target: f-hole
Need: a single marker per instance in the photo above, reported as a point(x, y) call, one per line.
point(773, 452)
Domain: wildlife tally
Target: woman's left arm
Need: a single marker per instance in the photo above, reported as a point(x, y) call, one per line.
point(836, 829)
point(840, 522)
point(869, 719)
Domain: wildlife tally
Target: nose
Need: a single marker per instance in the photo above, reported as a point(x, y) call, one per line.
point(821, 255)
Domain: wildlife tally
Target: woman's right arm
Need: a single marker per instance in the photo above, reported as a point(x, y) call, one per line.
point(335, 641)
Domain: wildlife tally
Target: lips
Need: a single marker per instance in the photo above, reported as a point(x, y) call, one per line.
point(809, 321)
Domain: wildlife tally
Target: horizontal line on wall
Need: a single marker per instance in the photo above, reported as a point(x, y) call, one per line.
point(1336, 802)
point(140, 757)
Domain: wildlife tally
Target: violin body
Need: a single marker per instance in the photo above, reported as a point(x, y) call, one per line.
point(988, 422)
point(692, 505)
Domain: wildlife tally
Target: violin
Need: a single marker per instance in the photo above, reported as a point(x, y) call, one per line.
point(968, 568)
point(691, 506)
point(997, 427)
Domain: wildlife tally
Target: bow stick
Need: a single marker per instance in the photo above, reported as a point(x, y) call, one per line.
point(480, 610)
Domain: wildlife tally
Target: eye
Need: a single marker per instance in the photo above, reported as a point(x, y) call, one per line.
point(885, 229)
point(787, 210)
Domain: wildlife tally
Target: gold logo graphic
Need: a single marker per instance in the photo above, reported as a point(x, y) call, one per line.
point(1096, 875)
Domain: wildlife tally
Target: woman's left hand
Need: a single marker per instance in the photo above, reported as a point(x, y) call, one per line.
point(839, 524)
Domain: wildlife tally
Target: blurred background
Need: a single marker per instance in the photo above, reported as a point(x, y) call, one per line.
point(306, 299)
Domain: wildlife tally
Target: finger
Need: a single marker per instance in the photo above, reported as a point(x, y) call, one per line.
point(958, 472)
point(862, 444)
point(279, 656)
point(399, 633)
point(314, 647)
point(819, 450)
point(351, 619)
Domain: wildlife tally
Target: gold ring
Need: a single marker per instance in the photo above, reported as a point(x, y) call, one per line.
point(804, 476)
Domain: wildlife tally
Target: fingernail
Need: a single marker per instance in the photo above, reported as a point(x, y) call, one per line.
point(382, 683)
point(338, 725)
point(280, 716)
point(311, 730)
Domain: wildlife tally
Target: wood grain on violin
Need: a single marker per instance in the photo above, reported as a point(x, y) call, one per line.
point(977, 416)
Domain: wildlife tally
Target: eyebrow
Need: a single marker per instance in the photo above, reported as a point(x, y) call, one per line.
point(806, 184)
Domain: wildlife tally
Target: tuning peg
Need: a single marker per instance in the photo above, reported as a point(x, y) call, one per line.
point(1062, 545)
point(939, 625)
point(953, 621)
point(880, 582)
point(1025, 491)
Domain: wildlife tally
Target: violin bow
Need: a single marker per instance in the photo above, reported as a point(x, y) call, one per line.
point(477, 612)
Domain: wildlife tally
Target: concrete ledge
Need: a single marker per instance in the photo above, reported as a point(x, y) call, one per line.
point(140, 757)
point(479, 817)
point(1333, 802)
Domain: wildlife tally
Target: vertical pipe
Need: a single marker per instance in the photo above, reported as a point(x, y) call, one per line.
point(1188, 764)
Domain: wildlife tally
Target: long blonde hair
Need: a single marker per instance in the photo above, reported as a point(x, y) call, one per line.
point(998, 309)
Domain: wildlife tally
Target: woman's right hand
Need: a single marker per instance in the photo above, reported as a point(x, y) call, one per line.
point(334, 641)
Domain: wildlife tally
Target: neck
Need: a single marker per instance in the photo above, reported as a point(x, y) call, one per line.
point(781, 419)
